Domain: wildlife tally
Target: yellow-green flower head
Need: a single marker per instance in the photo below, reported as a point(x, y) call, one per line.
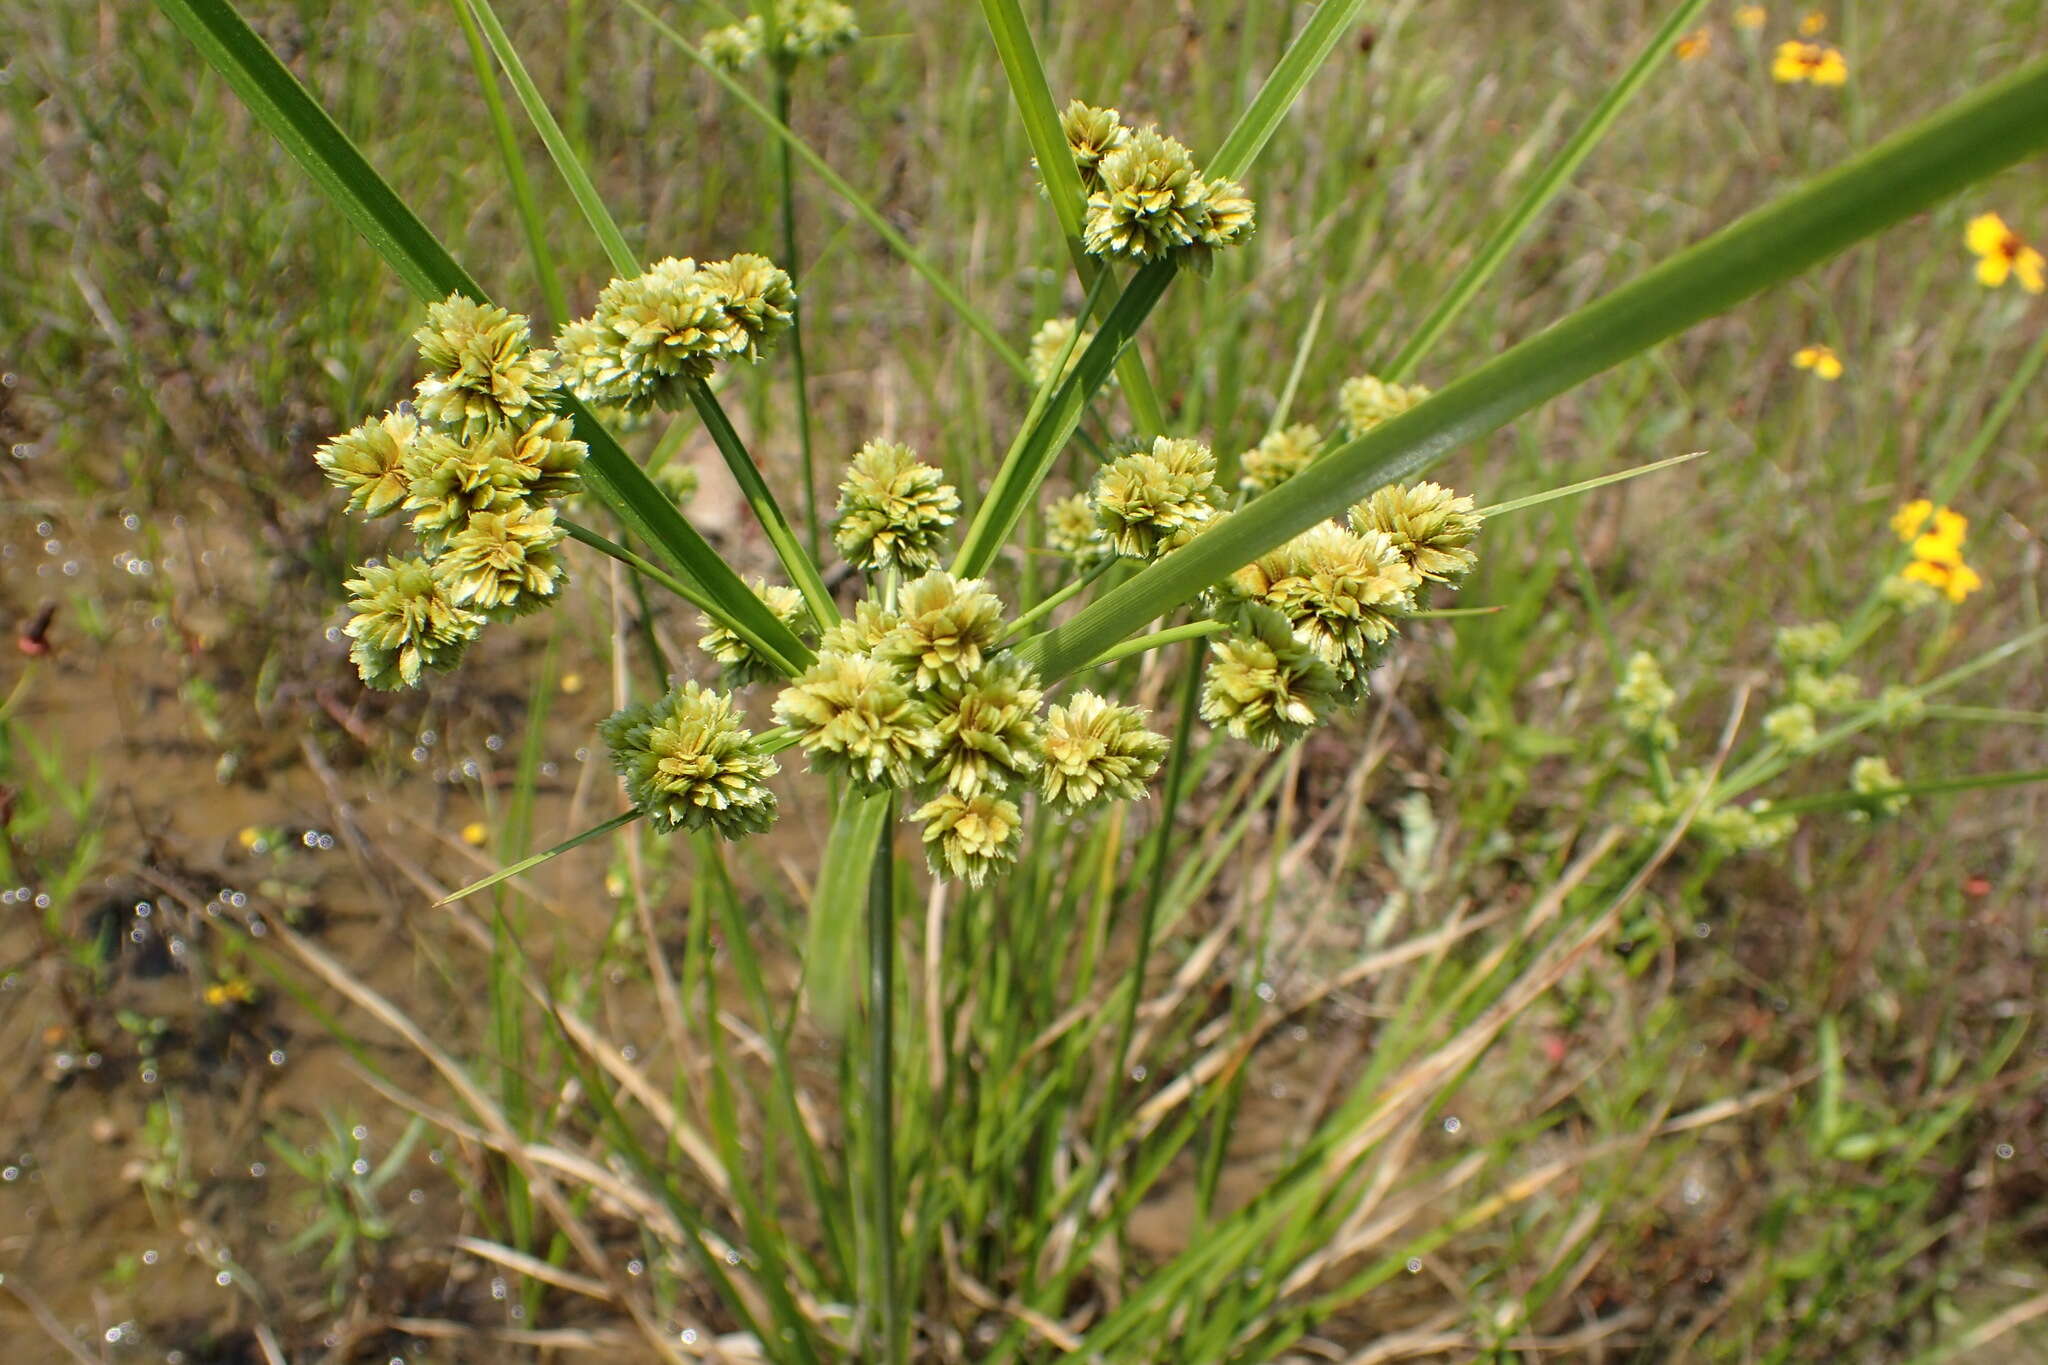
point(689, 763)
point(734, 47)
point(1432, 526)
point(1646, 701)
point(813, 29)
point(1071, 530)
point(1827, 691)
point(1899, 706)
point(989, 732)
point(739, 662)
point(862, 632)
point(369, 461)
point(649, 336)
point(1368, 400)
point(450, 480)
point(1278, 457)
point(1092, 134)
point(1268, 688)
point(967, 837)
point(1873, 778)
point(1809, 646)
point(481, 370)
point(893, 510)
point(950, 625)
point(504, 564)
point(1752, 828)
point(1792, 725)
point(758, 298)
point(403, 623)
point(854, 714)
point(1342, 592)
point(1220, 214)
point(1152, 501)
point(1140, 212)
point(1097, 751)
point(1048, 342)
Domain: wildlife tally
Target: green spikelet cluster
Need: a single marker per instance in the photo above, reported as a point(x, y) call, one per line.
point(1151, 501)
point(1368, 400)
point(1096, 751)
point(1432, 527)
point(1278, 457)
point(740, 663)
point(689, 764)
point(1342, 593)
point(1267, 686)
point(811, 30)
point(475, 462)
point(652, 335)
point(894, 510)
point(1147, 198)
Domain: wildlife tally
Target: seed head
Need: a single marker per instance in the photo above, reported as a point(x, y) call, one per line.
point(1792, 725)
point(733, 47)
point(1431, 526)
point(1808, 646)
point(862, 632)
point(1152, 501)
point(813, 29)
point(1899, 706)
point(1141, 210)
point(990, 737)
point(1368, 400)
point(404, 622)
point(968, 836)
point(369, 460)
point(1868, 777)
point(740, 664)
point(1342, 592)
point(481, 371)
point(1071, 530)
point(1278, 457)
point(1046, 345)
point(504, 564)
point(450, 480)
point(1646, 701)
point(949, 626)
point(689, 763)
point(649, 337)
point(1267, 687)
point(1220, 214)
point(1827, 691)
point(756, 295)
point(854, 714)
point(1092, 134)
point(893, 510)
point(1097, 751)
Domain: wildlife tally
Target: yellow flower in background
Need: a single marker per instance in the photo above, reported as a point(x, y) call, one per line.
point(1815, 62)
point(1812, 22)
point(233, 990)
point(476, 833)
point(1694, 45)
point(2001, 253)
point(1750, 17)
point(1822, 360)
point(1953, 578)
point(1911, 516)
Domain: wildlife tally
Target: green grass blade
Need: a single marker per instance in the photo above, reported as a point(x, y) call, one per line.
point(1805, 805)
point(796, 560)
point(1555, 176)
point(1304, 56)
point(1970, 139)
point(530, 220)
point(1016, 482)
point(1062, 179)
point(863, 209)
point(313, 139)
point(566, 161)
point(837, 904)
point(1572, 490)
point(619, 821)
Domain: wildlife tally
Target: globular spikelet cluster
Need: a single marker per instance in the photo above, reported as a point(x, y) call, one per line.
point(1278, 457)
point(1147, 199)
point(740, 664)
point(1048, 343)
point(1367, 401)
point(810, 30)
point(689, 764)
point(893, 510)
point(1341, 593)
point(475, 461)
point(655, 334)
point(1155, 499)
point(915, 692)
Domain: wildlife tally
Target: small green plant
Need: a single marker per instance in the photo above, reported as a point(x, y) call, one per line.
point(344, 1210)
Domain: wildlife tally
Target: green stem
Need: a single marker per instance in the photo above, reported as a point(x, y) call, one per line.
point(786, 173)
point(1069, 592)
point(881, 924)
point(1193, 630)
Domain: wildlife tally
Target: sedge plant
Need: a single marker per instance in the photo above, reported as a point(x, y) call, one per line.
point(1019, 1070)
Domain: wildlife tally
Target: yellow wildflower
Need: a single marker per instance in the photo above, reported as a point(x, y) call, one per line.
point(1749, 17)
point(2001, 252)
point(1953, 578)
point(1812, 22)
point(1815, 62)
point(1911, 516)
point(476, 833)
point(1694, 44)
point(1822, 360)
point(233, 990)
